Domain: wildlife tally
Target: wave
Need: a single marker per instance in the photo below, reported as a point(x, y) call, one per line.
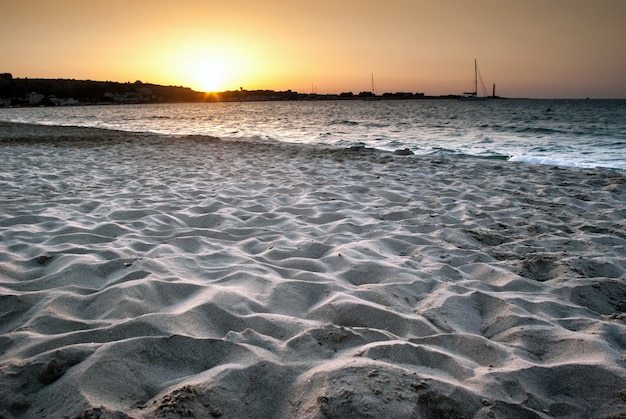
point(344, 122)
point(550, 161)
point(539, 130)
point(457, 153)
point(616, 144)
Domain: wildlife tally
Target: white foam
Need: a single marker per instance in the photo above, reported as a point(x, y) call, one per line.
point(550, 161)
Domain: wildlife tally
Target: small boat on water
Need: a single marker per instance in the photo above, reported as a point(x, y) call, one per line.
point(474, 96)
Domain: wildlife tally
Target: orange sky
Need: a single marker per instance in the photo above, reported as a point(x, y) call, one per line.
point(529, 48)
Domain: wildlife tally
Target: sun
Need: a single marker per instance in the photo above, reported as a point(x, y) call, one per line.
point(208, 75)
point(203, 68)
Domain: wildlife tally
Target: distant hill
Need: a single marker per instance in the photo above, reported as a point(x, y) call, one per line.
point(24, 91)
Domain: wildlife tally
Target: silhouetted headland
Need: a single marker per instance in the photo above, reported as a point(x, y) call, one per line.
point(63, 92)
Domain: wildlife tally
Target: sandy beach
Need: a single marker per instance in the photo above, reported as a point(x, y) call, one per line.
point(152, 276)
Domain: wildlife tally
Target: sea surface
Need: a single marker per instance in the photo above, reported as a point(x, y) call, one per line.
point(581, 133)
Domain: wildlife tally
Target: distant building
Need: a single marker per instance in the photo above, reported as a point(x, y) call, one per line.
point(34, 98)
point(69, 102)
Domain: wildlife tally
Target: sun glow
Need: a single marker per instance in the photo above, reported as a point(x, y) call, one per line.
point(203, 69)
point(208, 75)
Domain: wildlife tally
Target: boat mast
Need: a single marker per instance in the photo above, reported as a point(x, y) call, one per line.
point(475, 77)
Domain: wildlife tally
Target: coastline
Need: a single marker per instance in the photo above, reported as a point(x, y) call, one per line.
point(148, 275)
point(563, 133)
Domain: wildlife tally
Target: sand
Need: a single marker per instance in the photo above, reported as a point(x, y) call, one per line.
point(152, 276)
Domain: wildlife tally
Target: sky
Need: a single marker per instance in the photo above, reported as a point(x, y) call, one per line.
point(528, 48)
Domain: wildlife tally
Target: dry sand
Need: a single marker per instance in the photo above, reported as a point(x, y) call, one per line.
point(161, 277)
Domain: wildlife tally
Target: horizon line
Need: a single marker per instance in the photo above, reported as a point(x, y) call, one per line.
point(241, 89)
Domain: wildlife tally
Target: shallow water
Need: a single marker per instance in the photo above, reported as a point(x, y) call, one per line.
point(584, 133)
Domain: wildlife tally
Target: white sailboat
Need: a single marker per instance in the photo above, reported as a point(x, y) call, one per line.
point(474, 96)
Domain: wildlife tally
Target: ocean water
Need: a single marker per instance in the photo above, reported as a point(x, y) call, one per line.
point(582, 133)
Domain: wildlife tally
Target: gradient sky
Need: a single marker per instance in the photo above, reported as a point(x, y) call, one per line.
point(529, 48)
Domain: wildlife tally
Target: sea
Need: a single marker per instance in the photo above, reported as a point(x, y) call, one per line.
point(577, 133)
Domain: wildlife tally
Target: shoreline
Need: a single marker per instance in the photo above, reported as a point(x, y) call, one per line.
point(144, 275)
point(40, 132)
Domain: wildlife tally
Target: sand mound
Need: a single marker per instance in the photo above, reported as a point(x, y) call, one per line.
point(146, 276)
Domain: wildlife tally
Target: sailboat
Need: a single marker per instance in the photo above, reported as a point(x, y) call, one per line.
point(473, 96)
point(372, 95)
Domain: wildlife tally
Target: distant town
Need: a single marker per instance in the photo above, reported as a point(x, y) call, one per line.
point(16, 92)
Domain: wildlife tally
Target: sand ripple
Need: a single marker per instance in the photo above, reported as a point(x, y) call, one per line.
point(170, 277)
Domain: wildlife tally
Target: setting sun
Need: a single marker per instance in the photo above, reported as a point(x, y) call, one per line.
point(203, 68)
point(209, 76)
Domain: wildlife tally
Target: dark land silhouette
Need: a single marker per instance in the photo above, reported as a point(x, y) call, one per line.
point(60, 92)
point(51, 92)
